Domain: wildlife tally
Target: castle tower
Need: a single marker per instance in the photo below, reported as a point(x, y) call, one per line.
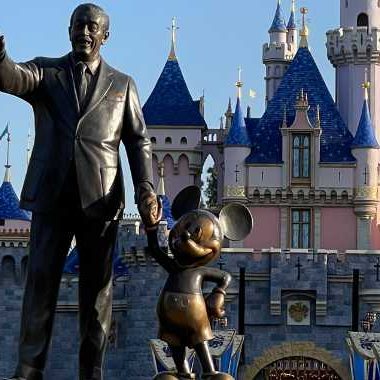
point(352, 49)
point(365, 149)
point(292, 36)
point(279, 52)
point(175, 124)
point(236, 150)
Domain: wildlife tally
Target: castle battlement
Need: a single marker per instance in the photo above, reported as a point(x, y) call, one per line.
point(276, 51)
point(353, 45)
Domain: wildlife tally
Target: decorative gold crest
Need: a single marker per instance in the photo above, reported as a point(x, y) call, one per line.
point(299, 311)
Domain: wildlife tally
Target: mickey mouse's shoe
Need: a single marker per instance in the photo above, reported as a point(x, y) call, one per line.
point(217, 376)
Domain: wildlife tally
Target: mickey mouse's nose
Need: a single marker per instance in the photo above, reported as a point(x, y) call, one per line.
point(185, 236)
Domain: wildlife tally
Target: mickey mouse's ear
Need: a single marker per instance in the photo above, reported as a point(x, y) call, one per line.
point(236, 221)
point(186, 200)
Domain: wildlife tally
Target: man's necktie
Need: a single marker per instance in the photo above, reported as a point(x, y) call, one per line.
point(81, 82)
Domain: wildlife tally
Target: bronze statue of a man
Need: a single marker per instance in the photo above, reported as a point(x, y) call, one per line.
point(74, 185)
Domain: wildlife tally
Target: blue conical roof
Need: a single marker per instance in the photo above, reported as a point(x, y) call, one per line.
point(278, 24)
point(170, 102)
point(266, 137)
point(365, 135)
point(292, 21)
point(119, 263)
point(238, 135)
point(10, 204)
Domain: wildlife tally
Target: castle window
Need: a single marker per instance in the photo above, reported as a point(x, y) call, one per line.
point(168, 140)
point(153, 140)
point(301, 227)
point(301, 156)
point(183, 140)
point(347, 3)
point(363, 20)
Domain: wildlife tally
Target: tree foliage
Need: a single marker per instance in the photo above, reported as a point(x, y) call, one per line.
point(211, 188)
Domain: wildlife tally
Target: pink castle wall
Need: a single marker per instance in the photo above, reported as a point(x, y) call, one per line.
point(338, 228)
point(266, 228)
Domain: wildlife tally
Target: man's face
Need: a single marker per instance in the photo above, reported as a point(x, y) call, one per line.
point(87, 34)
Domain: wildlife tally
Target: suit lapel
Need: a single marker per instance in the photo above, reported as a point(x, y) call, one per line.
point(65, 77)
point(103, 84)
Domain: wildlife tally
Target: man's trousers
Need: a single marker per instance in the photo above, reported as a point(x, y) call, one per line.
point(50, 240)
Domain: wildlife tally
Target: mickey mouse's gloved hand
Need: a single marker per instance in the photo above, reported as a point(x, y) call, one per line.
point(215, 303)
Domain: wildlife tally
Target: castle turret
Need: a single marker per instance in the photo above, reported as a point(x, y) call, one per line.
point(352, 49)
point(236, 150)
point(365, 149)
point(292, 36)
point(175, 124)
point(279, 52)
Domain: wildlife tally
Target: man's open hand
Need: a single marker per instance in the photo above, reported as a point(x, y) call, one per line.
point(150, 209)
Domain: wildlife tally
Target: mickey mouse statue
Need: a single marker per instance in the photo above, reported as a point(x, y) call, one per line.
point(183, 313)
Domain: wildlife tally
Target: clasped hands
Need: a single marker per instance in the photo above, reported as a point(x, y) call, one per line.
point(150, 209)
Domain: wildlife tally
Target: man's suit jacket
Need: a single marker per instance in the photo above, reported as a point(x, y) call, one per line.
point(91, 137)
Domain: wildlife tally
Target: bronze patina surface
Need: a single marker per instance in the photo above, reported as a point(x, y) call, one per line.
point(183, 312)
point(83, 110)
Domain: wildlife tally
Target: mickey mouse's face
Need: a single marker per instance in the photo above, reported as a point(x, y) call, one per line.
point(196, 238)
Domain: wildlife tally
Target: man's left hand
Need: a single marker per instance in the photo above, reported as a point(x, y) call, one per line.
point(150, 209)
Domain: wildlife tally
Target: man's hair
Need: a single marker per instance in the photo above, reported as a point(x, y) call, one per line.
point(106, 19)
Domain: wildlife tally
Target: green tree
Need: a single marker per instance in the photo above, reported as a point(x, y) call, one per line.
point(211, 188)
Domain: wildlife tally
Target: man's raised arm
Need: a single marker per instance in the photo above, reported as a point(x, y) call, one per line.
point(18, 79)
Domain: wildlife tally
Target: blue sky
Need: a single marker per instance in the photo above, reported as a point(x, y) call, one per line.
point(215, 37)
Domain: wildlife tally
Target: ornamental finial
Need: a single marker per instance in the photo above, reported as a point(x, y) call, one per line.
point(304, 33)
point(366, 85)
point(173, 29)
point(239, 83)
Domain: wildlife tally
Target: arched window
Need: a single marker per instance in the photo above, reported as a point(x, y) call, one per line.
point(347, 3)
point(183, 140)
point(168, 140)
point(301, 156)
point(363, 20)
point(153, 140)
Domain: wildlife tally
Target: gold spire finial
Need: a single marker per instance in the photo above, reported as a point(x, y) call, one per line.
point(366, 85)
point(239, 83)
point(173, 29)
point(7, 176)
point(304, 33)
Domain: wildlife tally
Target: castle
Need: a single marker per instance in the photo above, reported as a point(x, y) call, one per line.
point(307, 170)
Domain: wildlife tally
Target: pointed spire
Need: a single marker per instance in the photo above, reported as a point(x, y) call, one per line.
point(7, 176)
point(239, 83)
point(237, 134)
point(161, 183)
point(292, 18)
point(278, 24)
point(304, 33)
point(229, 107)
point(174, 28)
point(365, 134)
